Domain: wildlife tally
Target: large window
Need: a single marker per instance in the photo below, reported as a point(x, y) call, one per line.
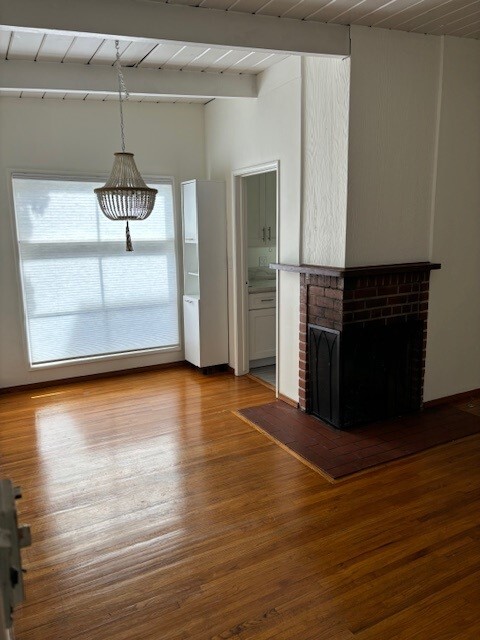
point(84, 295)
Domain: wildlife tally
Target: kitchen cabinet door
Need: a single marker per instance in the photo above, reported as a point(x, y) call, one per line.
point(270, 189)
point(255, 214)
point(262, 333)
point(261, 202)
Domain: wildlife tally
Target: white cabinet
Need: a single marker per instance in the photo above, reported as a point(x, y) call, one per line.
point(261, 203)
point(261, 333)
point(205, 310)
point(271, 208)
point(261, 325)
point(254, 198)
point(191, 323)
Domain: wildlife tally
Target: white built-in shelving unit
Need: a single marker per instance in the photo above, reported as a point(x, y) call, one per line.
point(205, 307)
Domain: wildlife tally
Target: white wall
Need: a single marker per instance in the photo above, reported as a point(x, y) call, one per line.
point(80, 137)
point(393, 108)
point(325, 112)
point(244, 133)
point(413, 182)
point(266, 254)
point(453, 350)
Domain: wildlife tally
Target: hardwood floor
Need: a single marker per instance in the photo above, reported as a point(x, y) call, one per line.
point(159, 515)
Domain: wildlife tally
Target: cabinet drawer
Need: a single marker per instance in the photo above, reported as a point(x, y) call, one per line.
point(262, 300)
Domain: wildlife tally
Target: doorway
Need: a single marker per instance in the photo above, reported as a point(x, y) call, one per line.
point(256, 245)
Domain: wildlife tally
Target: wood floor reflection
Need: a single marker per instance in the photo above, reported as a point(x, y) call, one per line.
point(159, 515)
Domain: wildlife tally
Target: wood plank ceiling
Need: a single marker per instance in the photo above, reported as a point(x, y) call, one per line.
point(36, 46)
point(436, 17)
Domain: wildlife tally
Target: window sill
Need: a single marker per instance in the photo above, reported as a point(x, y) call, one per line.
point(104, 358)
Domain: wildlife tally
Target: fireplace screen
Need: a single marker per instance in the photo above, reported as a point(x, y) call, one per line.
point(364, 373)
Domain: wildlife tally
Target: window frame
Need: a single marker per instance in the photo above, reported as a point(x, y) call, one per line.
point(97, 177)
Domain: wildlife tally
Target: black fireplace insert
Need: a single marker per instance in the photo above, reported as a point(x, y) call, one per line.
point(366, 372)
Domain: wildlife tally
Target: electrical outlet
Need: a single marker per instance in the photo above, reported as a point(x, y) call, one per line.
point(263, 261)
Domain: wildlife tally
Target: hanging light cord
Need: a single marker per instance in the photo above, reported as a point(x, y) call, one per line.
point(122, 94)
point(122, 91)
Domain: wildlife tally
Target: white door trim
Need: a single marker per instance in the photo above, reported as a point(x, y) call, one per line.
point(240, 265)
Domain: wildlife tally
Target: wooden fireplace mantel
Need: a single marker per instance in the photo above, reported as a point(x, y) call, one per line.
point(355, 272)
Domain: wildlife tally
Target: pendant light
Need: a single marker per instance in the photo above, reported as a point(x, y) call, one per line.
point(125, 196)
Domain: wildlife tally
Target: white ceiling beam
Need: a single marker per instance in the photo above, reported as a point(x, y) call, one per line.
point(179, 23)
point(70, 77)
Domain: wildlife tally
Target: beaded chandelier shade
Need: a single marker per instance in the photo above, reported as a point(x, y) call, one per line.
point(125, 196)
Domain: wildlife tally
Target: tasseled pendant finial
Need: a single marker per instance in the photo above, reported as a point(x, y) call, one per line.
point(129, 246)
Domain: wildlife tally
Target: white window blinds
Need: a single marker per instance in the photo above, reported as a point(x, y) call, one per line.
point(84, 295)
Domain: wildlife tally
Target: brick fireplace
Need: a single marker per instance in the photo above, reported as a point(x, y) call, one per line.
point(372, 321)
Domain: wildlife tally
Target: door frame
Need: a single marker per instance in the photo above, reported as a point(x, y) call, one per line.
point(240, 264)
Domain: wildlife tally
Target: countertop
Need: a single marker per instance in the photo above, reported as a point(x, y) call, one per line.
point(262, 286)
